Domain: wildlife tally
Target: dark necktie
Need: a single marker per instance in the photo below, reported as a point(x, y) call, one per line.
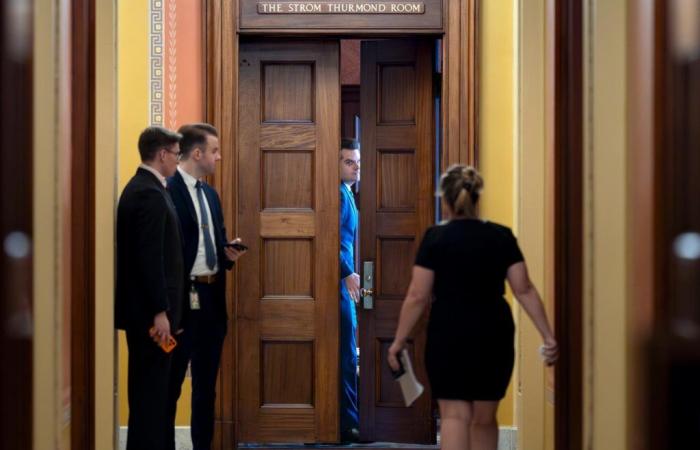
point(208, 244)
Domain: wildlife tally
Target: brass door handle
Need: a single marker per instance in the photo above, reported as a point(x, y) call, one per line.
point(367, 291)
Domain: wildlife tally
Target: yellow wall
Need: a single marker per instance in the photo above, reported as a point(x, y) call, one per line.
point(605, 225)
point(134, 116)
point(105, 201)
point(46, 367)
point(534, 402)
point(497, 127)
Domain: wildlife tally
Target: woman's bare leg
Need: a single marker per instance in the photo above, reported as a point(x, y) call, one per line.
point(483, 432)
point(455, 416)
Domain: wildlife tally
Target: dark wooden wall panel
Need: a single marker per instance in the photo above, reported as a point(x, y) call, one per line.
point(674, 356)
point(16, 180)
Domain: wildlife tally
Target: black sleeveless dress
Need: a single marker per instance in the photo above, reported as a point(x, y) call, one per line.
point(470, 349)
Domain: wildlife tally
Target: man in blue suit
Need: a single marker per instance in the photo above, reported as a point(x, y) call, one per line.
point(349, 290)
point(207, 255)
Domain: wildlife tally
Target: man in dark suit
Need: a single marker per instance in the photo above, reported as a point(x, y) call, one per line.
point(150, 284)
point(206, 255)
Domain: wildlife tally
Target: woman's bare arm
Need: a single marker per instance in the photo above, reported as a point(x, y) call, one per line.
point(417, 298)
point(527, 295)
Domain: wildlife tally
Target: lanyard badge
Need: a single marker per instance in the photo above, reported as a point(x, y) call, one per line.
point(194, 298)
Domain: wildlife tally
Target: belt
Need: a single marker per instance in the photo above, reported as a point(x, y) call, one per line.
point(204, 279)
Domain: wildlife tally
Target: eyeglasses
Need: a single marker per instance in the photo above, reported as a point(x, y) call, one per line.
point(177, 154)
point(350, 162)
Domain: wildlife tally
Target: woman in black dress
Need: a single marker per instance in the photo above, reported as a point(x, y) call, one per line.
point(469, 355)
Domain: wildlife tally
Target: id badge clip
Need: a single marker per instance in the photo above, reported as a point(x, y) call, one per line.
point(194, 298)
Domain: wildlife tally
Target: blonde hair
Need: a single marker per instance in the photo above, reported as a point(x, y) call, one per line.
point(461, 186)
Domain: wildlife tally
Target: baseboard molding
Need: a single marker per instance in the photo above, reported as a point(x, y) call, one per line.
point(507, 440)
point(183, 441)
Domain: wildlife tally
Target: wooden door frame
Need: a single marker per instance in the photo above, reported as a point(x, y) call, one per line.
point(82, 234)
point(644, 160)
point(16, 204)
point(568, 220)
point(459, 130)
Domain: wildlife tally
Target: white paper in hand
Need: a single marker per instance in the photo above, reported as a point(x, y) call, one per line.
point(410, 386)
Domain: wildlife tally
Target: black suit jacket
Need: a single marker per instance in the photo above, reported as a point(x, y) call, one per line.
point(150, 267)
point(190, 229)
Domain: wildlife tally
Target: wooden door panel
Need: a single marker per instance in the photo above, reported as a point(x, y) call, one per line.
point(287, 373)
point(281, 102)
point(287, 314)
point(288, 136)
point(390, 224)
point(395, 258)
point(396, 94)
point(396, 208)
point(288, 181)
point(393, 167)
point(286, 267)
point(395, 137)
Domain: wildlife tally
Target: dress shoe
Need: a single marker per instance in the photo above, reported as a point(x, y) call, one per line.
point(350, 435)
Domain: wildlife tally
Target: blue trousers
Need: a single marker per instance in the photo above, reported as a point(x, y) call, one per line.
point(349, 416)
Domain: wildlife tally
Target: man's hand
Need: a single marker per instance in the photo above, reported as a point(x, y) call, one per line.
point(352, 283)
point(231, 253)
point(161, 326)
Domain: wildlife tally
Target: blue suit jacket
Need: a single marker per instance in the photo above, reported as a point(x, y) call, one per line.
point(348, 229)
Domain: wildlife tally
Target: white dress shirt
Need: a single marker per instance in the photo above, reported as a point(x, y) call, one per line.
point(200, 261)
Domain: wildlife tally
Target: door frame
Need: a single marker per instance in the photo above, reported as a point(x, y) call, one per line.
point(82, 233)
point(458, 133)
point(567, 87)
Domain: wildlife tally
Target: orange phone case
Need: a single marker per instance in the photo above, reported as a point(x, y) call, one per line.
point(167, 346)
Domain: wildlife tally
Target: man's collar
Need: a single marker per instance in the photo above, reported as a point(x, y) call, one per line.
point(189, 179)
point(158, 175)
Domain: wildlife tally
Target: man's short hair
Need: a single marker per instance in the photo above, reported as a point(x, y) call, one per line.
point(153, 139)
point(194, 135)
point(349, 144)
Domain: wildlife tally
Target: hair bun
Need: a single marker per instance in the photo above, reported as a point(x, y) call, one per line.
point(471, 179)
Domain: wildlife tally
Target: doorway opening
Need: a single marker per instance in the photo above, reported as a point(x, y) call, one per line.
point(297, 100)
point(390, 89)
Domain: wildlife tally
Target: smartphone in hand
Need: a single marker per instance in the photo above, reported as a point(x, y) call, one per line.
point(166, 346)
point(236, 246)
point(396, 374)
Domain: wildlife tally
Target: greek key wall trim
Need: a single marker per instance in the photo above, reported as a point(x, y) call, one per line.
point(171, 65)
point(156, 61)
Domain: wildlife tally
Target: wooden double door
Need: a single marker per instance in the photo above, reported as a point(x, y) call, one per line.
point(287, 307)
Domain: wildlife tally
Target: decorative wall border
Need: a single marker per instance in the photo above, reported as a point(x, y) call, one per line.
point(171, 66)
point(156, 61)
